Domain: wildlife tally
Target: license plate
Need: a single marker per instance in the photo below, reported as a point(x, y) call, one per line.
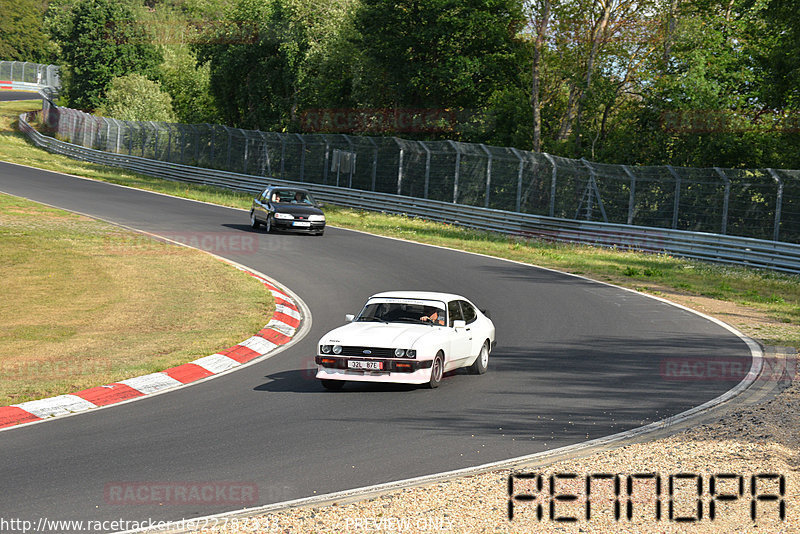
point(367, 366)
point(301, 223)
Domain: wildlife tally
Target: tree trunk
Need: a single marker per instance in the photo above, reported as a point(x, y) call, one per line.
point(541, 32)
point(597, 35)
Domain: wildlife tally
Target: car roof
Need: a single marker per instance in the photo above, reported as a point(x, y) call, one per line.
point(422, 295)
point(290, 187)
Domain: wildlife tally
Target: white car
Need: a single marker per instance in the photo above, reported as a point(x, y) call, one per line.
point(407, 337)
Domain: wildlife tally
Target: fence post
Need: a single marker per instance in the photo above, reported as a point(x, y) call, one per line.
point(488, 175)
point(399, 168)
point(327, 159)
point(725, 200)
point(302, 157)
point(267, 162)
point(213, 143)
point(427, 167)
point(519, 178)
point(283, 156)
point(632, 196)
point(778, 204)
point(352, 163)
point(676, 207)
point(246, 150)
point(552, 184)
point(374, 162)
point(457, 170)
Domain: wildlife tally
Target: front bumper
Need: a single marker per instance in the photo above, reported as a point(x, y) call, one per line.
point(417, 372)
point(287, 225)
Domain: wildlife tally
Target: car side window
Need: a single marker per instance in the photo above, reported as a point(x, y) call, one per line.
point(264, 195)
point(468, 311)
point(454, 312)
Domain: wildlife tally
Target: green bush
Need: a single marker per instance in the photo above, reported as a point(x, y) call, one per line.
point(135, 98)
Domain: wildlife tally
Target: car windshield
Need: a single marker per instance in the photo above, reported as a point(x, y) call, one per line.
point(292, 196)
point(404, 311)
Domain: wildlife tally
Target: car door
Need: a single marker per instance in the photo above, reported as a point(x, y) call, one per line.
point(262, 205)
point(460, 338)
point(473, 327)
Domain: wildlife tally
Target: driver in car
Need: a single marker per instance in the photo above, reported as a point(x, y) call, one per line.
point(433, 316)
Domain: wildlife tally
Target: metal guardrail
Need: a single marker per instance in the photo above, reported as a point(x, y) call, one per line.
point(702, 246)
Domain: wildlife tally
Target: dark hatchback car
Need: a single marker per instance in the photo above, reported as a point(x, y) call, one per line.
point(287, 208)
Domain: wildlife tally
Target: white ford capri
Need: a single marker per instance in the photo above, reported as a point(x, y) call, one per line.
point(407, 337)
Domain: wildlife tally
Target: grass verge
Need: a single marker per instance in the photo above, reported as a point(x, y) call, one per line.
point(763, 304)
point(85, 303)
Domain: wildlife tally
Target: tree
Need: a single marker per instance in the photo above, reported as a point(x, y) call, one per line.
point(439, 53)
point(21, 35)
point(135, 98)
point(101, 41)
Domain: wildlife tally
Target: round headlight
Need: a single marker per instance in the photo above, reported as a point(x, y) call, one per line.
point(411, 353)
point(399, 353)
point(337, 349)
point(326, 349)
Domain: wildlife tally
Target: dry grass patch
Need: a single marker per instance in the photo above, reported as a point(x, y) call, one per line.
point(85, 303)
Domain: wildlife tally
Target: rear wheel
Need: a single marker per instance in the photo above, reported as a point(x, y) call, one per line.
point(332, 385)
point(437, 370)
point(481, 362)
point(254, 224)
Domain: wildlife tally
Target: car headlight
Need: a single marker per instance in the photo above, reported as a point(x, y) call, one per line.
point(411, 353)
point(283, 216)
point(316, 218)
point(337, 349)
point(325, 349)
point(399, 353)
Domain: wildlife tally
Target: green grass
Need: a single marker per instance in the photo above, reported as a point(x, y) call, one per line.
point(85, 303)
point(775, 296)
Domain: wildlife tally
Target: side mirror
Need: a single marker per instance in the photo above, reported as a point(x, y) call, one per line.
point(459, 324)
point(349, 317)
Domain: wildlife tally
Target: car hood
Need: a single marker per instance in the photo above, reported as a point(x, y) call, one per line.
point(297, 209)
point(391, 335)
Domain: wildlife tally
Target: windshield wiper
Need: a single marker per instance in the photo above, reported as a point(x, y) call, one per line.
point(370, 319)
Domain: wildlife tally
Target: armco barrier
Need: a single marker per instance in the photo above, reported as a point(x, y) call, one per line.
point(709, 247)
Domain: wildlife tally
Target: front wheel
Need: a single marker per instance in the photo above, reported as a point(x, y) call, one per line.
point(254, 224)
point(332, 385)
point(268, 224)
point(481, 363)
point(437, 370)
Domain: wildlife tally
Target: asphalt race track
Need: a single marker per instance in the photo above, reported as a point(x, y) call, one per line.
point(575, 360)
point(6, 95)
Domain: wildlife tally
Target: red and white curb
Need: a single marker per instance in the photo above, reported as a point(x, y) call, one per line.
point(279, 331)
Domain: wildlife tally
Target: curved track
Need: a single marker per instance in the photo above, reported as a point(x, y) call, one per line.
point(6, 95)
point(575, 360)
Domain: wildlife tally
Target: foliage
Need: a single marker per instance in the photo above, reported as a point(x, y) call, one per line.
point(135, 98)
point(21, 34)
point(189, 86)
point(100, 41)
point(439, 53)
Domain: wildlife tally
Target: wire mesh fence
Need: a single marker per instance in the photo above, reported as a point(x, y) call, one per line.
point(33, 73)
point(760, 203)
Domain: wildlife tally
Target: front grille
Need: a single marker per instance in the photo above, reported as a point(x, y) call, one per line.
point(375, 352)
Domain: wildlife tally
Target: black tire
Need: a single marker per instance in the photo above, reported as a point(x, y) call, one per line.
point(254, 224)
point(437, 370)
point(481, 363)
point(268, 224)
point(332, 385)
point(321, 232)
